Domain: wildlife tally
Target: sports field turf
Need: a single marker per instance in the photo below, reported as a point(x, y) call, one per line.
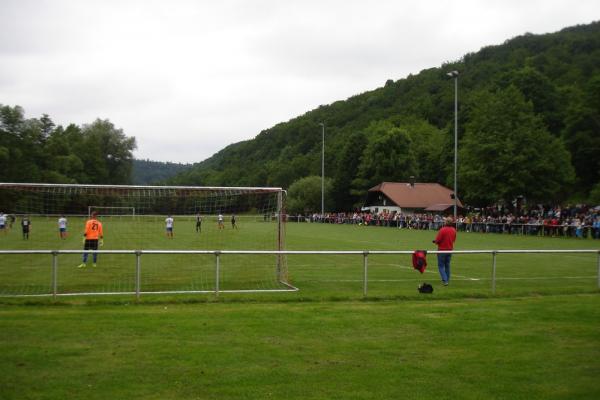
point(538, 337)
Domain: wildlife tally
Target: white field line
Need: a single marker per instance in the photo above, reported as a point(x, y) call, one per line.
point(460, 279)
point(453, 275)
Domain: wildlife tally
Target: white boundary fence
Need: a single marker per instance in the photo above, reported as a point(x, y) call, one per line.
point(218, 253)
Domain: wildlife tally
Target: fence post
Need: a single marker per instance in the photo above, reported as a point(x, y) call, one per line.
point(217, 272)
point(365, 269)
point(599, 270)
point(54, 273)
point(493, 272)
point(138, 274)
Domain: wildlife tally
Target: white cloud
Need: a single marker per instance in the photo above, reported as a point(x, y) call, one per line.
point(187, 78)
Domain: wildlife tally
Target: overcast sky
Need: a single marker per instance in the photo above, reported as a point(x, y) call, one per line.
point(187, 78)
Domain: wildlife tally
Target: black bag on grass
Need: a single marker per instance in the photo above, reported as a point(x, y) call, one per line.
point(425, 288)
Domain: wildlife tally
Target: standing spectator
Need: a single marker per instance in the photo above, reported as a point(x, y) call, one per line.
point(596, 227)
point(578, 228)
point(445, 241)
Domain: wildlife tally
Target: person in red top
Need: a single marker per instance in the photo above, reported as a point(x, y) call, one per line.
point(445, 241)
point(92, 237)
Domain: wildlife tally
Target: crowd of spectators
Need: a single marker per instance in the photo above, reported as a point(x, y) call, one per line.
point(578, 221)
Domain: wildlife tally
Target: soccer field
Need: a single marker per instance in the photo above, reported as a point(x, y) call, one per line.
point(538, 337)
point(317, 276)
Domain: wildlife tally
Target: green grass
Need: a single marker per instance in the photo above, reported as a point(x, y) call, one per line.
point(538, 337)
point(517, 348)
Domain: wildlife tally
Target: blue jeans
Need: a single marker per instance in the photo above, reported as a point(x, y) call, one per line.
point(444, 266)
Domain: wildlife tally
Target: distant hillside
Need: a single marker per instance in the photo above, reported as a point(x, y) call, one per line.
point(146, 172)
point(529, 124)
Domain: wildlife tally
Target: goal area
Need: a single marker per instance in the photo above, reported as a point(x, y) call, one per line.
point(178, 228)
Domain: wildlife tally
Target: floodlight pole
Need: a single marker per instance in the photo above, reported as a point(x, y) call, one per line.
point(454, 74)
point(323, 171)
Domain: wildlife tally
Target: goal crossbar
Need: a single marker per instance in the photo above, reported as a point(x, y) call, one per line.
point(100, 188)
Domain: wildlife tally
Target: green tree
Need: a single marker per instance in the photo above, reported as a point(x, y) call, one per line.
point(388, 156)
point(107, 153)
point(346, 172)
point(594, 197)
point(22, 145)
point(537, 88)
point(427, 148)
point(507, 151)
point(304, 195)
point(46, 125)
point(582, 135)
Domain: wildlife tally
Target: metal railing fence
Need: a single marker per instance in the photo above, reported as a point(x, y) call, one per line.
point(288, 287)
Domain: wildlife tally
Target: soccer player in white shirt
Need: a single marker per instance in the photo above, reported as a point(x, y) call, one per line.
point(3, 223)
point(169, 225)
point(62, 227)
point(220, 221)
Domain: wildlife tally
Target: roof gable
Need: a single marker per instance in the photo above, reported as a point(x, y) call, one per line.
point(419, 195)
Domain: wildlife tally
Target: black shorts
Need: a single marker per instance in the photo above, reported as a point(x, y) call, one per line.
point(90, 244)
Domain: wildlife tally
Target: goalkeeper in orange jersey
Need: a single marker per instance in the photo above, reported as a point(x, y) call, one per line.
point(92, 238)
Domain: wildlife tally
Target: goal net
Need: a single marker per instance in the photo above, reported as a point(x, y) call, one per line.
point(170, 219)
point(112, 211)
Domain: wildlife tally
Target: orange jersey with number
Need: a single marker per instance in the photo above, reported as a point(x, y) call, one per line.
point(93, 229)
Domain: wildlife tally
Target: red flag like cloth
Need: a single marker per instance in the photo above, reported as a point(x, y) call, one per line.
point(419, 260)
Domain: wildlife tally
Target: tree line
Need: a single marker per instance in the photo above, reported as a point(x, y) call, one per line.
point(36, 150)
point(148, 172)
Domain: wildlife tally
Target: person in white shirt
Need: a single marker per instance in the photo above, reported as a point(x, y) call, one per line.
point(62, 227)
point(3, 223)
point(169, 225)
point(220, 221)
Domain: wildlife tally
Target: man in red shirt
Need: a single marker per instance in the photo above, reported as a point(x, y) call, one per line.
point(445, 241)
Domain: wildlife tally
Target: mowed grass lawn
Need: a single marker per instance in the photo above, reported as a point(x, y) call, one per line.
point(538, 337)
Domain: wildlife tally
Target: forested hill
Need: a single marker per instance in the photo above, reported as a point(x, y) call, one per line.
point(147, 172)
point(529, 124)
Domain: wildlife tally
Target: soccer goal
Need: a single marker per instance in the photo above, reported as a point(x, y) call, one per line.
point(168, 219)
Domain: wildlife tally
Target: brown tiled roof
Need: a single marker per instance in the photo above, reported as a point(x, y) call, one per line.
point(421, 195)
point(439, 207)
